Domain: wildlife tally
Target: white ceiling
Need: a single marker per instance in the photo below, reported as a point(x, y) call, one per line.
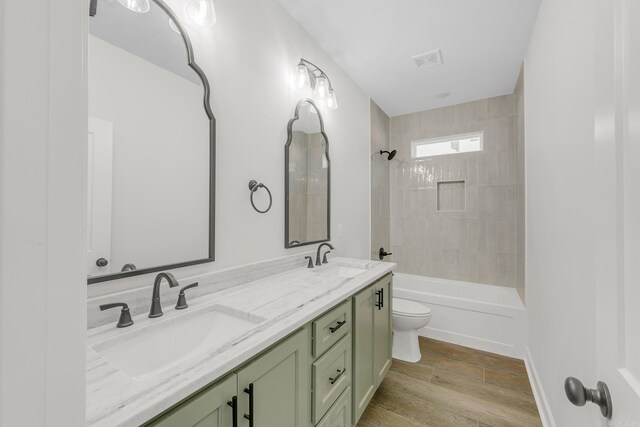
point(483, 43)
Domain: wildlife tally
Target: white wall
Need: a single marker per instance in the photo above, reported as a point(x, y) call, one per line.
point(43, 134)
point(160, 158)
point(560, 248)
point(250, 57)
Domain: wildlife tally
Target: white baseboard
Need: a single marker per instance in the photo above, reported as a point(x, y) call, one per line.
point(477, 343)
point(542, 403)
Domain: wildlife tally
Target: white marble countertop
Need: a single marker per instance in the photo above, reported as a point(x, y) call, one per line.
point(287, 301)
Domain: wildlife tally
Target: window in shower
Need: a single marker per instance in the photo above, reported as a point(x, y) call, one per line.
point(453, 144)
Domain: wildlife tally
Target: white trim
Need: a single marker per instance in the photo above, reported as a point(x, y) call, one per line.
point(478, 343)
point(444, 139)
point(546, 416)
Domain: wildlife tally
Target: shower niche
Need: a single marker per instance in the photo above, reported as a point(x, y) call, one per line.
point(451, 196)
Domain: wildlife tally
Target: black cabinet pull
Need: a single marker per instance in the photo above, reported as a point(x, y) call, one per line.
point(249, 416)
point(340, 373)
point(380, 296)
point(338, 326)
point(234, 406)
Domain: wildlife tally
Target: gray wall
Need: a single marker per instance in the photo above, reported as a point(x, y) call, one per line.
point(477, 244)
point(380, 210)
point(520, 187)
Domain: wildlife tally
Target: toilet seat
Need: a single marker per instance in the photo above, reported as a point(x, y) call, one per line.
point(407, 308)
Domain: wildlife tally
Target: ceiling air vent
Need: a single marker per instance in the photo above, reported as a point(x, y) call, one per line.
point(428, 59)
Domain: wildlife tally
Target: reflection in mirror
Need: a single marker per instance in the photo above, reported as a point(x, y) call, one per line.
point(151, 146)
point(307, 176)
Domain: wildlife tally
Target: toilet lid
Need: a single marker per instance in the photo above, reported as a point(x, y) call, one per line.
point(409, 308)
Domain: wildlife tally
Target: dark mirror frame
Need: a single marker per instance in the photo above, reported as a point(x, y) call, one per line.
point(296, 116)
point(212, 164)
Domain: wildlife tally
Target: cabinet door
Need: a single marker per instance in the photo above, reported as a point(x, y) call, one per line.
point(363, 348)
point(382, 327)
point(340, 413)
point(208, 408)
point(274, 389)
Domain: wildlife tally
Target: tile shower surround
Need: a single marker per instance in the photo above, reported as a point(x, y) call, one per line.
point(380, 209)
point(477, 244)
point(520, 186)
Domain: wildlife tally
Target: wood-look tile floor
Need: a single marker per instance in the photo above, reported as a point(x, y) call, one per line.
point(454, 386)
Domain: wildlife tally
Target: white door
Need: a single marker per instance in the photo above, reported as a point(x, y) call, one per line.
point(100, 183)
point(617, 171)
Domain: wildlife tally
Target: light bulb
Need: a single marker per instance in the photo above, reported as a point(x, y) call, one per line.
point(173, 26)
point(332, 101)
point(322, 88)
point(303, 76)
point(202, 12)
point(139, 6)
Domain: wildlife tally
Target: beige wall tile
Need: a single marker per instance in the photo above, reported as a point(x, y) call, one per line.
point(477, 243)
point(380, 182)
point(502, 106)
point(519, 133)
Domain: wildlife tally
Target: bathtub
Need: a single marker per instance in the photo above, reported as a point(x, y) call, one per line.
point(484, 317)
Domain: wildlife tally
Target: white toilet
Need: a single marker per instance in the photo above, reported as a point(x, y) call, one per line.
point(408, 318)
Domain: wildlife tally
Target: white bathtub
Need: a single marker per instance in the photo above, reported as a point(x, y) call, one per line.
point(485, 317)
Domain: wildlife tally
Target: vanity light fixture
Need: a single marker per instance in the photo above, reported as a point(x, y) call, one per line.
point(139, 6)
point(311, 76)
point(303, 76)
point(332, 101)
point(202, 12)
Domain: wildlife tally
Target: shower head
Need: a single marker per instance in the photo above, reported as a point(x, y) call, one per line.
point(391, 154)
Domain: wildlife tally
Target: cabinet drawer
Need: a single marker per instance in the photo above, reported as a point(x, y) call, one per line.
point(331, 376)
point(340, 413)
point(330, 328)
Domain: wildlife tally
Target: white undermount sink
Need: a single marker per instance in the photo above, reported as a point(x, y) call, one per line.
point(341, 271)
point(174, 338)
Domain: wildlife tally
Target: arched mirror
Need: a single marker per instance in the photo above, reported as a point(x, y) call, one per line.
point(151, 163)
point(307, 178)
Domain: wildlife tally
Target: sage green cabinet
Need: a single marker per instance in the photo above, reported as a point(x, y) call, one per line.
point(363, 378)
point(372, 329)
point(340, 413)
point(286, 387)
point(331, 375)
point(278, 381)
point(382, 322)
point(210, 407)
point(274, 388)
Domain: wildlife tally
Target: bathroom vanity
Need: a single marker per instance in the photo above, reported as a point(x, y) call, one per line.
point(305, 347)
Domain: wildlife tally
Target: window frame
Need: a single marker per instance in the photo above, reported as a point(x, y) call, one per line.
point(444, 139)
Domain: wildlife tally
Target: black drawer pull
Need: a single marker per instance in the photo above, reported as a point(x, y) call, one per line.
point(379, 299)
point(234, 407)
point(249, 416)
point(338, 326)
point(340, 373)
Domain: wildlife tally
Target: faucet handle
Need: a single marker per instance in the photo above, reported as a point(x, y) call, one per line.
point(125, 316)
point(324, 258)
point(310, 265)
point(182, 300)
